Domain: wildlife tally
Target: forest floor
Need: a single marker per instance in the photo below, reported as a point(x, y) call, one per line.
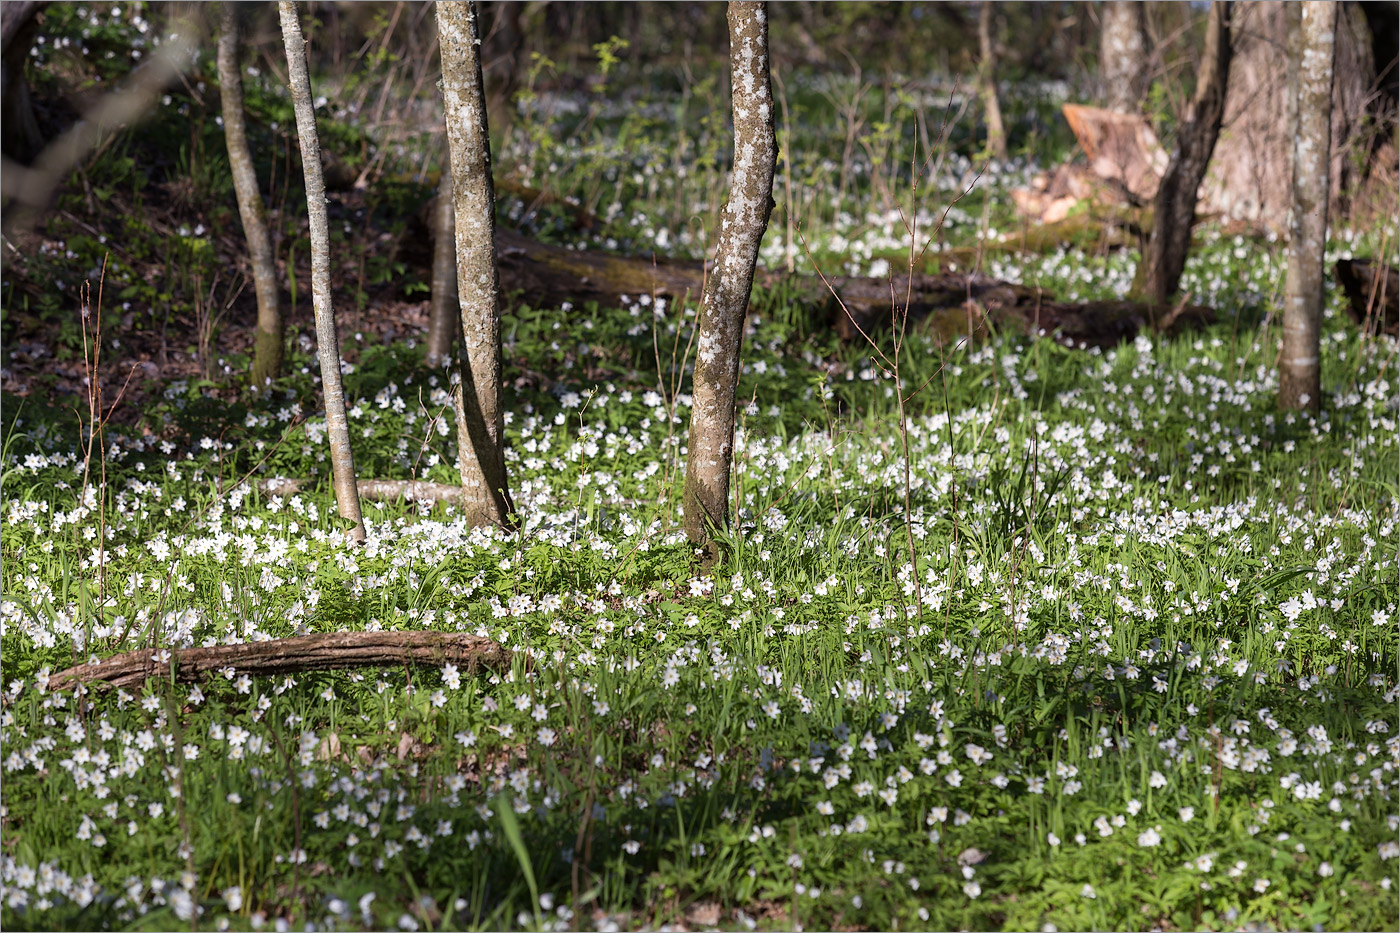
point(1138, 672)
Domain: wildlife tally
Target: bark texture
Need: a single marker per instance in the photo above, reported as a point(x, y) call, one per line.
point(1300, 371)
point(1123, 55)
point(1251, 179)
point(347, 497)
point(443, 310)
point(322, 652)
point(480, 425)
point(725, 300)
point(987, 82)
point(270, 337)
point(1164, 255)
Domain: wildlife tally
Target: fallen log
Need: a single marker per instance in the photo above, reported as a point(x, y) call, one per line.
point(957, 304)
point(378, 490)
point(327, 651)
point(1373, 294)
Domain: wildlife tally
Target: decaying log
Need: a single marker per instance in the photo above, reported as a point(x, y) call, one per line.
point(1373, 294)
point(378, 490)
point(546, 275)
point(322, 652)
point(954, 306)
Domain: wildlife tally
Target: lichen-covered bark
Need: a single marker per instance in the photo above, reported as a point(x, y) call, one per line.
point(1174, 212)
point(987, 82)
point(347, 496)
point(269, 336)
point(443, 311)
point(725, 300)
point(480, 425)
point(1123, 57)
point(1299, 383)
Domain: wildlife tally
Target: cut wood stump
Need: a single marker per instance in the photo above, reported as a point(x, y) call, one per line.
point(322, 652)
point(1121, 147)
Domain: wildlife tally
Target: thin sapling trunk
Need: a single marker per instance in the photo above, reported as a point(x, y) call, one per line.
point(725, 300)
point(1300, 368)
point(270, 336)
point(444, 318)
point(480, 421)
point(987, 81)
point(1174, 212)
point(347, 496)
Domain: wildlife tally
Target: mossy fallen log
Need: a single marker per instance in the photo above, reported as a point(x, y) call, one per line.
point(954, 303)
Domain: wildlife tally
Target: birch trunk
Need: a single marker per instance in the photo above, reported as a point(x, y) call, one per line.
point(987, 80)
point(1300, 372)
point(725, 299)
point(347, 496)
point(443, 311)
point(1123, 55)
point(269, 336)
point(1174, 214)
point(480, 425)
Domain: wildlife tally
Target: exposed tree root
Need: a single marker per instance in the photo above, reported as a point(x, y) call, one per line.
point(322, 652)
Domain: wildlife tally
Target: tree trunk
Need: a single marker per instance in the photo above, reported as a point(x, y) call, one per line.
point(1300, 371)
point(347, 497)
point(480, 425)
point(18, 23)
point(725, 300)
point(1251, 178)
point(1164, 255)
point(503, 59)
point(270, 336)
point(1123, 55)
point(443, 319)
point(987, 82)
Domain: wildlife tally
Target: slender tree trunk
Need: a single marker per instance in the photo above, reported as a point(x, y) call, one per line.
point(1174, 214)
point(443, 312)
point(987, 82)
point(480, 425)
point(347, 496)
point(503, 59)
point(1123, 54)
point(269, 337)
point(18, 23)
point(725, 300)
point(1300, 371)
